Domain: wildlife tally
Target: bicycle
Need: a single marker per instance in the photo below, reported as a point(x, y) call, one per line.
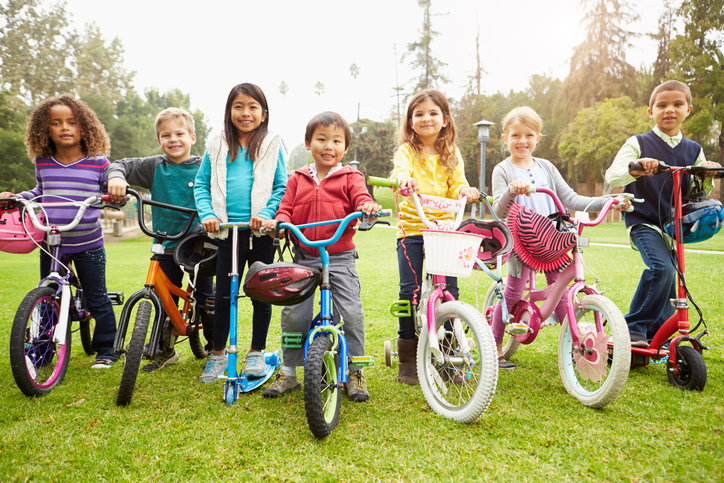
point(685, 365)
point(456, 367)
point(155, 302)
point(594, 349)
point(40, 338)
point(326, 359)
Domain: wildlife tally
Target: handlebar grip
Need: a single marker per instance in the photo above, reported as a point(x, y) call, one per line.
point(383, 182)
point(635, 166)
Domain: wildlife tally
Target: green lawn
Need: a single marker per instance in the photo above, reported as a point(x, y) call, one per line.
point(177, 429)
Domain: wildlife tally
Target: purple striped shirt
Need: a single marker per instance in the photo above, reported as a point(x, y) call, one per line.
point(76, 181)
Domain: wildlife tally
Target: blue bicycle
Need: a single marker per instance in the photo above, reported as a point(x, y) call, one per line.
point(326, 359)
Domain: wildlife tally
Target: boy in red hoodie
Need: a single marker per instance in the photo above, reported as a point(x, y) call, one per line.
point(323, 191)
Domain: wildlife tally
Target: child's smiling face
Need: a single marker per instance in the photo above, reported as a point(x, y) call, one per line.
point(328, 147)
point(521, 140)
point(64, 127)
point(246, 115)
point(175, 140)
point(427, 120)
point(669, 111)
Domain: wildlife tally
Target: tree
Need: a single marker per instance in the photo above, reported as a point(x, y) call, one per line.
point(598, 132)
point(18, 170)
point(319, 88)
point(299, 157)
point(375, 148)
point(354, 70)
point(421, 52)
point(598, 65)
point(283, 88)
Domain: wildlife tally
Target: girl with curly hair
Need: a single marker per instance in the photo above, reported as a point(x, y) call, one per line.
point(69, 145)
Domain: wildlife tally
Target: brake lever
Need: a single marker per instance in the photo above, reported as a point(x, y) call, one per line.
point(367, 225)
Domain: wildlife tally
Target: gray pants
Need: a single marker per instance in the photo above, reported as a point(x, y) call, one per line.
point(346, 301)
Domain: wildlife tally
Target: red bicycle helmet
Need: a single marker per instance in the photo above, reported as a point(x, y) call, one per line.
point(281, 283)
point(497, 240)
point(13, 237)
point(197, 249)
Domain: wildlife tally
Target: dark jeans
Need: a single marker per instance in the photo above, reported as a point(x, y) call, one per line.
point(90, 268)
point(650, 306)
point(411, 277)
point(262, 250)
point(204, 290)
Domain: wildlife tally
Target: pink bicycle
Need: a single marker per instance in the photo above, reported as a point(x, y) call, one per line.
point(594, 348)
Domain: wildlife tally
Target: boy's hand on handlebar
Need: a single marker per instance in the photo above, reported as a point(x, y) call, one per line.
point(470, 193)
point(519, 187)
point(117, 189)
point(211, 225)
point(269, 227)
point(706, 164)
point(650, 166)
point(369, 208)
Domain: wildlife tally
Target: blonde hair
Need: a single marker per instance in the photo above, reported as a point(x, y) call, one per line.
point(672, 85)
point(445, 143)
point(175, 114)
point(524, 115)
point(93, 137)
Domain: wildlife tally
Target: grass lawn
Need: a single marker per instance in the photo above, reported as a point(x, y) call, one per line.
point(177, 429)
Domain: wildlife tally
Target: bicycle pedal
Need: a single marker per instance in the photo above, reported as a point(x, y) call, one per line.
point(517, 328)
point(401, 308)
point(361, 361)
point(292, 340)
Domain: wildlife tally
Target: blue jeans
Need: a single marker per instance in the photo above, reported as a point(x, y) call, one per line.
point(90, 268)
point(262, 250)
point(411, 277)
point(650, 306)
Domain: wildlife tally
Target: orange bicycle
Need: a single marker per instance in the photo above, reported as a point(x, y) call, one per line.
point(158, 301)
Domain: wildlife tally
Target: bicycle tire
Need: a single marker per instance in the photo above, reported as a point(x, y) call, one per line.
point(463, 386)
point(692, 370)
point(134, 354)
point(588, 377)
point(86, 329)
point(321, 389)
point(510, 343)
point(38, 364)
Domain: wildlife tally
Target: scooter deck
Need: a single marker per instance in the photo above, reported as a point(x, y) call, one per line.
point(245, 384)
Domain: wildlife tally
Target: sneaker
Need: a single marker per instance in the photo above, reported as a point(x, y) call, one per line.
point(356, 387)
point(254, 364)
point(103, 363)
point(283, 384)
point(215, 368)
point(639, 341)
point(505, 364)
point(161, 361)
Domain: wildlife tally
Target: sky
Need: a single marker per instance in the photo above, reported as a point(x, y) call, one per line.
point(205, 48)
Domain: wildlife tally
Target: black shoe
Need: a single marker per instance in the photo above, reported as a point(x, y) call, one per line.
point(639, 341)
point(503, 364)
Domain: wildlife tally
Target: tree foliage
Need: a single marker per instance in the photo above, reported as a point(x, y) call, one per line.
point(597, 134)
point(375, 148)
point(429, 67)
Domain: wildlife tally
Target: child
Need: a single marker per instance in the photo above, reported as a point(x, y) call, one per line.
point(69, 146)
point(170, 177)
point(429, 162)
point(241, 179)
point(521, 133)
point(325, 191)
point(669, 106)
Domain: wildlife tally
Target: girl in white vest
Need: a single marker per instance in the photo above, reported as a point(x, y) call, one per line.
point(241, 179)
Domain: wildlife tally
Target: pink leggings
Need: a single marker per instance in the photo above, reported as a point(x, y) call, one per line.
point(514, 288)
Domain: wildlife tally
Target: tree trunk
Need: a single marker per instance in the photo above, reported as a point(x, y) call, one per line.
point(721, 161)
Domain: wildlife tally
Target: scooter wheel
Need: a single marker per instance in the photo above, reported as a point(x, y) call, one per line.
point(692, 369)
point(230, 395)
point(388, 353)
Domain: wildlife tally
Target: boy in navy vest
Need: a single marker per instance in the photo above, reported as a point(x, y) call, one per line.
point(669, 106)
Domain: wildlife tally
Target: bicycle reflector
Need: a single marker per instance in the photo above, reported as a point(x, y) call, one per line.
point(281, 283)
point(13, 236)
point(497, 240)
point(197, 249)
point(700, 221)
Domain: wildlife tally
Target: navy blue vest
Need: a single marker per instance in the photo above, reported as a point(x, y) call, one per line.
point(660, 187)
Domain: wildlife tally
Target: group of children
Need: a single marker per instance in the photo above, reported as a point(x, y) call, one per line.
point(242, 178)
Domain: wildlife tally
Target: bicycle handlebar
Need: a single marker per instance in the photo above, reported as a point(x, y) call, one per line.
point(160, 235)
point(30, 205)
point(663, 167)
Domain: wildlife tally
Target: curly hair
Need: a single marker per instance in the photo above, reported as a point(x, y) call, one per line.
point(445, 143)
point(94, 139)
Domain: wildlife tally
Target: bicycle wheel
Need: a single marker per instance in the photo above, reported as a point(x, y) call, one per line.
point(462, 387)
point(86, 334)
point(510, 343)
point(585, 371)
point(692, 369)
point(38, 363)
point(134, 354)
point(321, 391)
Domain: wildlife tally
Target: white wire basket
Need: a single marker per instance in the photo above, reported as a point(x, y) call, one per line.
point(450, 253)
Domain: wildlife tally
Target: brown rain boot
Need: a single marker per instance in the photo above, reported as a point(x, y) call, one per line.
point(407, 353)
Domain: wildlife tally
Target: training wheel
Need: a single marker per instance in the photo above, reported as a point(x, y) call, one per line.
point(388, 353)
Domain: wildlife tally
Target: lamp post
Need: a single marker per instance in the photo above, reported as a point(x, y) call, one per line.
point(483, 136)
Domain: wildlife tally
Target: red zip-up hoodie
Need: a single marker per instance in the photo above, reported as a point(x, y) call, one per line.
point(338, 195)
